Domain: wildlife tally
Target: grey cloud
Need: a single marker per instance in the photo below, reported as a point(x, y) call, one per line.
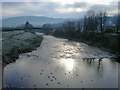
point(99, 7)
point(77, 5)
point(48, 8)
point(11, 4)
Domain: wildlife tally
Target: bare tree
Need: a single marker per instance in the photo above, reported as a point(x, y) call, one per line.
point(90, 21)
point(102, 16)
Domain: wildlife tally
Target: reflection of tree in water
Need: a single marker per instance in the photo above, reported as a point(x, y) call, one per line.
point(100, 68)
point(93, 63)
point(90, 61)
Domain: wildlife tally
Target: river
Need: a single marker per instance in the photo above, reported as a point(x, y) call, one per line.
point(60, 63)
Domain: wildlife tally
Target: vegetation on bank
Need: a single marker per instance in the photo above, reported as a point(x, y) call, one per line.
point(14, 44)
point(110, 41)
point(94, 29)
point(107, 41)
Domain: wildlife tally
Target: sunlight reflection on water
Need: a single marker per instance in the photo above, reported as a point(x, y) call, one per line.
point(59, 64)
point(68, 63)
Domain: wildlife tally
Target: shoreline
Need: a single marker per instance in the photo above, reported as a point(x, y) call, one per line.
point(9, 58)
point(96, 44)
point(14, 52)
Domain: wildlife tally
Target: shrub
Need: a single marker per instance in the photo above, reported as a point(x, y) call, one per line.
point(109, 30)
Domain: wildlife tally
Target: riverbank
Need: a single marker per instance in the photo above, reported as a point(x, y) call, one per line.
point(59, 63)
point(109, 42)
point(15, 43)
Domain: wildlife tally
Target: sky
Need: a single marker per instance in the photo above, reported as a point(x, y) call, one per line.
point(56, 8)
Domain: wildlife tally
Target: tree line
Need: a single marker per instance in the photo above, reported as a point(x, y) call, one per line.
point(93, 28)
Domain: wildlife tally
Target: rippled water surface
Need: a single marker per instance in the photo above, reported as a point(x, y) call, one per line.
point(59, 63)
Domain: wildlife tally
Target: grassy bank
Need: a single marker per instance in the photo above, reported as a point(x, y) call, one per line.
point(107, 40)
point(17, 42)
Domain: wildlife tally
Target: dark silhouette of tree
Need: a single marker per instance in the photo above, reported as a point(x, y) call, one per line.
point(70, 29)
point(28, 25)
point(102, 16)
point(90, 21)
point(85, 23)
point(78, 28)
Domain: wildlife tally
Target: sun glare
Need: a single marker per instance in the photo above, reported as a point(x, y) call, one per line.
point(68, 64)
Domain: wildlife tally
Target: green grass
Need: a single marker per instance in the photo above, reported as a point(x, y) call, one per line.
point(15, 43)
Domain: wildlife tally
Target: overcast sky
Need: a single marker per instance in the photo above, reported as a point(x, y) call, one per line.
point(56, 8)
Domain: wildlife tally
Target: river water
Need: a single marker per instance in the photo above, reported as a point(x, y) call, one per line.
point(60, 63)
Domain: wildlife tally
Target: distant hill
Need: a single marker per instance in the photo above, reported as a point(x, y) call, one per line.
point(40, 20)
point(34, 20)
